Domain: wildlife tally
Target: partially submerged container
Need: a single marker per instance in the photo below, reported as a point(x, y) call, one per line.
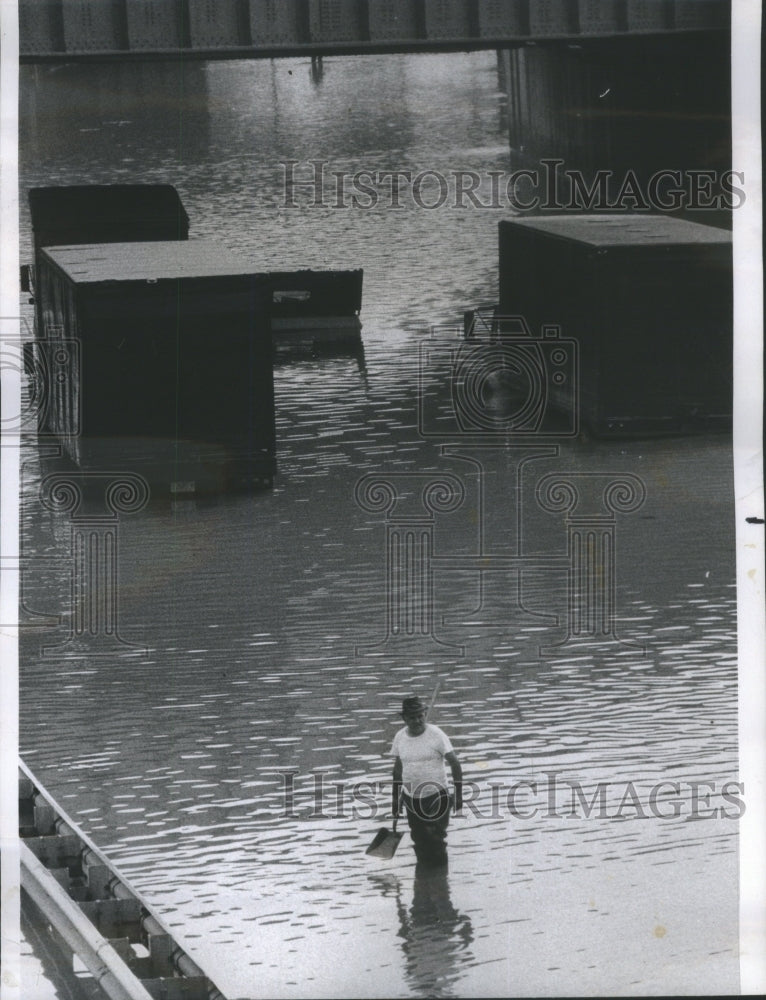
point(318, 306)
point(646, 303)
point(100, 213)
point(176, 378)
point(106, 213)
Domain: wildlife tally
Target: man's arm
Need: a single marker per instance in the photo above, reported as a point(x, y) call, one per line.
point(396, 788)
point(457, 778)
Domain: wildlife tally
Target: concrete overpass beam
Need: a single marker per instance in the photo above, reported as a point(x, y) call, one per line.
point(218, 26)
point(94, 26)
point(395, 20)
point(278, 23)
point(333, 21)
point(157, 27)
point(212, 28)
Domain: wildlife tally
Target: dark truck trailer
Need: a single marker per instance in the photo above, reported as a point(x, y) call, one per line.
point(105, 213)
point(175, 376)
point(307, 305)
point(316, 306)
point(648, 301)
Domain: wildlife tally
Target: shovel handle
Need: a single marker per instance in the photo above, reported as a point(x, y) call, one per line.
point(398, 808)
point(433, 696)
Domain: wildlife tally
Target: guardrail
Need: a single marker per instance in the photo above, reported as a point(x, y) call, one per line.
point(53, 29)
point(90, 910)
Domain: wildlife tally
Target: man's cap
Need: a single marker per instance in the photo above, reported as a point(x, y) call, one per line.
point(412, 705)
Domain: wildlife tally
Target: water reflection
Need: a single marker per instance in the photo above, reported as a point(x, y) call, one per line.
point(317, 69)
point(133, 112)
point(324, 353)
point(435, 936)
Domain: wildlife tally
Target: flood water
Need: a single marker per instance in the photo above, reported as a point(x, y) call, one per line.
point(271, 661)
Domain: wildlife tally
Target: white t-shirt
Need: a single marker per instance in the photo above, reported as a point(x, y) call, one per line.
point(422, 757)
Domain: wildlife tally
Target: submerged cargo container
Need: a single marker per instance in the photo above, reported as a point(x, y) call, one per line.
point(307, 305)
point(176, 378)
point(106, 213)
point(100, 213)
point(317, 306)
point(648, 302)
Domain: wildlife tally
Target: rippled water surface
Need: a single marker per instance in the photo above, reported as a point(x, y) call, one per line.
point(264, 617)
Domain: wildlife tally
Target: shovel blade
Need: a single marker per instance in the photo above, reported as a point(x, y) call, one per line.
point(384, 844)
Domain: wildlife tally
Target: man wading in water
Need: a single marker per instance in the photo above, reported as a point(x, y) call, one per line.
point(420, 752)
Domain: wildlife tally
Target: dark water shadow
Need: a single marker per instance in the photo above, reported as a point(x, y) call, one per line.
point(435, 936)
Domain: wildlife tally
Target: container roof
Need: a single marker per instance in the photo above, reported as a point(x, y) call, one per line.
point(91, 263)
point(87, 213)
point(611, 230)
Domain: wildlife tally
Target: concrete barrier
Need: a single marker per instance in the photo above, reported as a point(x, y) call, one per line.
point(98, 914)
point(99, 957)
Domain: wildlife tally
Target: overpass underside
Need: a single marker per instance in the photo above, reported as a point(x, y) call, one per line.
point(53, 30)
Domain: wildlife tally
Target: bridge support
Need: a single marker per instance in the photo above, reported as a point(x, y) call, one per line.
point(612, 109)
